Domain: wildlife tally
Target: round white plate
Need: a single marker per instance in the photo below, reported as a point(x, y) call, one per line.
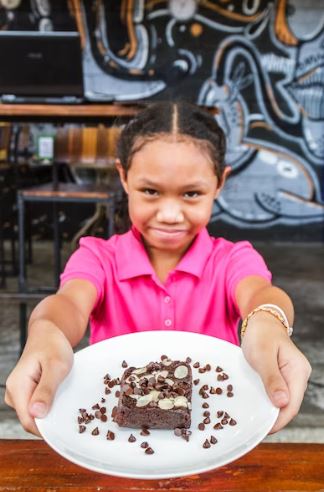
point(173, 456)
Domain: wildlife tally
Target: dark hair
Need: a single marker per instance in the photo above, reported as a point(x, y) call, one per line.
point(173, 118)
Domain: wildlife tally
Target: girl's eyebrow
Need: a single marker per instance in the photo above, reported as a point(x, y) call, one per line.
point(187, 186)
point(147, 182)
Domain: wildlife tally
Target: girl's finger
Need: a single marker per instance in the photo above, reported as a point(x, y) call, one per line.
point(296, 379)
point(265, 362)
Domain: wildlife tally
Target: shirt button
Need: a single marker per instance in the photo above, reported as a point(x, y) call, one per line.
point(167, 299)
point(168, 322)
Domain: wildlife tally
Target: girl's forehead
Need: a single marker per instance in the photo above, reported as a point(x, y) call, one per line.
point(170, 159)
point(168, 144)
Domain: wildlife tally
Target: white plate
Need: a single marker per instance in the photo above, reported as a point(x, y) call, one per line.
point(173, 456)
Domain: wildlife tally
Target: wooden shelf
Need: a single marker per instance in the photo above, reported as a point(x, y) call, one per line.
point(66, 111)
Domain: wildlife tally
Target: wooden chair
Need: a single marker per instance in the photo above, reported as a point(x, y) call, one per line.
point(78, 147)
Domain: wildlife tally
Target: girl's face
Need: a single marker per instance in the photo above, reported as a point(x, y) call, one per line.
point(171, 187)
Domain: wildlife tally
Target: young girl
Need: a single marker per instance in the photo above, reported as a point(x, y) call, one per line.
point(166, 272)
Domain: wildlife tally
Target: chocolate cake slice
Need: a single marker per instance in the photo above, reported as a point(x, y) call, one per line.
point(157, 396)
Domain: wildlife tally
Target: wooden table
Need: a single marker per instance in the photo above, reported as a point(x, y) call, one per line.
point(31, 465)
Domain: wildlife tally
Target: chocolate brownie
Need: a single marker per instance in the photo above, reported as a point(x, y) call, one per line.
point(157, 396)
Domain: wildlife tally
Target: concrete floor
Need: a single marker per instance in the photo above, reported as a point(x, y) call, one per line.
point(298, 268)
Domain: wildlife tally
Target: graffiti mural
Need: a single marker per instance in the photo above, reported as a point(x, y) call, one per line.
point(254, 61)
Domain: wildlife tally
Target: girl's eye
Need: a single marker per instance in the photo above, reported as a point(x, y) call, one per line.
point(191, 194)
point(149, 191)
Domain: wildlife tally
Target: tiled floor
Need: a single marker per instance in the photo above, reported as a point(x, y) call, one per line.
point(298, 268)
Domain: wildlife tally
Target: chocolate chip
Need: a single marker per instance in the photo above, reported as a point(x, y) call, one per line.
point(196, 365)
point(97, 414)
point(103, 418)
point(213, 440)
point(208, 367)
point(103, 400)
point(206, 420)
point(201, 426)
point(96, 406)
point(149, 451)
point(110, 435)
point(178, 432)
point(82, 428)
point(205, 405)
point(219, 369)
point(196, 381)
point(117, 394)
point(131, 438)
point(205, 395)
point(144, 444)
point(80, 420)
point(145, 432)
point(218, 391)
point(229, 387)
point(224, 421)
point(188, 360)
point(218, 426)
point(107, 391)
point(95, 431)
point(230, 394)
point(206, 444)
point(232, 422)
point(124, 364)
point(206, 413)
point(201, 370)
point(220, 414)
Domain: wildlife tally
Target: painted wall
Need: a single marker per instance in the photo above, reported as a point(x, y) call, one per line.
point(260, 62)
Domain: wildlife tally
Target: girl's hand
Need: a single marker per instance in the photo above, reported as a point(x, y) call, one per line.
point(45, 362)
point(283, 369)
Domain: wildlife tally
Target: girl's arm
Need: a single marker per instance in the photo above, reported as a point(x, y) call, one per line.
point(268, 348)
point(56, 325)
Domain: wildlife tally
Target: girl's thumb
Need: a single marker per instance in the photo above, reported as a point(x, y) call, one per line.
point(44, 393)
point(275, 385)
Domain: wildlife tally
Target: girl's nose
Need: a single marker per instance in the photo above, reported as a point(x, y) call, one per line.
point(170, 212)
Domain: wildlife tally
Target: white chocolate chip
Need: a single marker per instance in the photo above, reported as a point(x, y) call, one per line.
point(181, 372)
point(164, 374)
point(154, 395)
point(180, 401)
point(140, 370)
point(144, 400)
point(169, 381)
point(165, 404)
point(166, 362)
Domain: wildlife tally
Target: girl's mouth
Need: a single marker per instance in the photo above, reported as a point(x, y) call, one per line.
point(168, 233)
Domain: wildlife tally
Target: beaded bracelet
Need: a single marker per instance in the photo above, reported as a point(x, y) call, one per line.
point(272, 310)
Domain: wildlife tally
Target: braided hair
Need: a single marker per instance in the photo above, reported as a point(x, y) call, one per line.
point(180, 119)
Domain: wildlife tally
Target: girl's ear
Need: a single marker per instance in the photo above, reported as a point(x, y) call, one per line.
point(122, 175)
point(227, 171)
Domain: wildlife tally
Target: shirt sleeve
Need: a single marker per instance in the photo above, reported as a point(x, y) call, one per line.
point(243, 262)
point(85, 264)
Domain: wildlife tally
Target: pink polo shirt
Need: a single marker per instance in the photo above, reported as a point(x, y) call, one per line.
point(198, 295)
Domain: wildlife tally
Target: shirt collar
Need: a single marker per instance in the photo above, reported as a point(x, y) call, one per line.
point(194, 260)
point(132, 259)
